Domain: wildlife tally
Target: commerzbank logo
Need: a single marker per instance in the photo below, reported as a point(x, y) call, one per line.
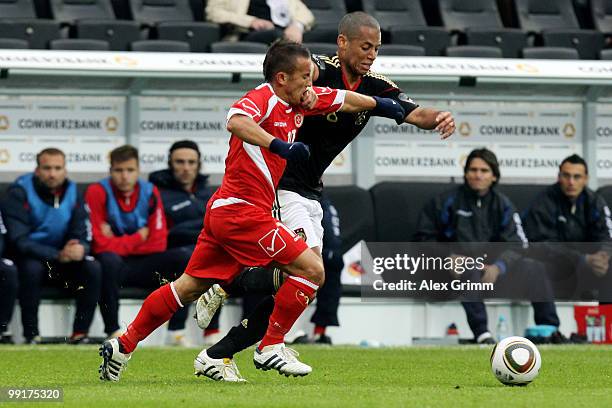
point(465, 129)
point(126, 61)
point(4, 123)
point(5, 156)
point(530, 69)
point(569, 130)
point(111, 124)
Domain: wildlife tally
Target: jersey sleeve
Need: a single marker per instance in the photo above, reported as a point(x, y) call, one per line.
point(329, 100)
point(386, 88)
point(254, 104)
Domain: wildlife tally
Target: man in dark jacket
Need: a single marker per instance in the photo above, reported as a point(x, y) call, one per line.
point(49, 229)
point(476, 212)
point(568, 211)
point(8, 289)
point(185, 193)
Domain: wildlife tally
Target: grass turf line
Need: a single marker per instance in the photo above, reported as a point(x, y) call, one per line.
point(342, 377)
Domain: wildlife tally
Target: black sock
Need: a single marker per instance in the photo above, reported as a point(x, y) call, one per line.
point(246, 333)
point(256, 280)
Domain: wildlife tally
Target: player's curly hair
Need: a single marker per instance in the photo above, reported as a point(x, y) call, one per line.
point(281, 57)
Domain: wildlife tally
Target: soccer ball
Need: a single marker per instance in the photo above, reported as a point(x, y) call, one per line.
point(515, 361)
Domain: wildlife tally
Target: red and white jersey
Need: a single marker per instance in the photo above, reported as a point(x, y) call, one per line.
point(252, 172)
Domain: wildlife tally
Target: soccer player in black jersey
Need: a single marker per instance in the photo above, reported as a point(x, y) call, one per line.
point(300, 187)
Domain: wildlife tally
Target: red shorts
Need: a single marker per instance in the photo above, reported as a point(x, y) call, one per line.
point(240, 235)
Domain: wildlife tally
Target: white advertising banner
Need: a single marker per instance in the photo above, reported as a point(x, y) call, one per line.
point(529, 139)
point(164, 120)
point(603, 130)
point(85, 128)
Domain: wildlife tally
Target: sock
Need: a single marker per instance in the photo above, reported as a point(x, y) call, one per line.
point(291, 300)
point(319, 330)
point(157, 309)
point(256, 280)
point(246, 333)
point(209, 332)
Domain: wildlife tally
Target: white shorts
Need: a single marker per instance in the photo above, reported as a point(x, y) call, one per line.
point(301, 215)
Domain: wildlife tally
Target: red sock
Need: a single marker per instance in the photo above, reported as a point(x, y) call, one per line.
point(319, 330)
point(290, 301)
point(157, 309)
point(210, 332)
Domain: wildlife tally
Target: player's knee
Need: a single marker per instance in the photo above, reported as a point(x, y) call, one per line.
point(315, 272)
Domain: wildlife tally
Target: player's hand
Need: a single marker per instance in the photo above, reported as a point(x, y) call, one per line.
point(260, 24)
point(309, 99)
point(74, 250)
point(106, 230)
point(144, 233)
point(598, 262)
point(490, 273)
point(445, 124)
point(290, 151)
point(388, 108)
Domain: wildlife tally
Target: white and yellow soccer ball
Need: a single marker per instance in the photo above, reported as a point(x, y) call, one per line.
point(515, 361)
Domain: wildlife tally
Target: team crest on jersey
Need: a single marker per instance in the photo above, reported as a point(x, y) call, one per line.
point(361, 118)
point(272, 243)
point(301, 233)
point(299, 119)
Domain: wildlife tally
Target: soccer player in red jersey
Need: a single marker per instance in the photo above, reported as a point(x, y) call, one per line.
point(239, 229)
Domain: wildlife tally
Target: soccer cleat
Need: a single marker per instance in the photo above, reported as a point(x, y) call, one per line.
point(208, 304)
point(282, 359)
point(114, 361)
point(218, 369)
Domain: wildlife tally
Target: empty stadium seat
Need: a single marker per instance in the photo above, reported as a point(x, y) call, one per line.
point(160, 46)
point(601, 12)
point(199, 36)
point(511, 41)
point(538, 15)
point(401, 50)
point(397, 206)
point(327, 14)
point(396, 13)
point(521, 195)
point(242, 47)
point(118, 33)
point(322, 48)
point(37, 33)
point(13, 43)
point(433, 39)
point(356, 212)
point(550, 53)
point(474, 51)
point(68, 11)
point(587, 43)
point(151, 12)
point(458, 15)
point(10, 9)
point(605, 55)
point(79, 44)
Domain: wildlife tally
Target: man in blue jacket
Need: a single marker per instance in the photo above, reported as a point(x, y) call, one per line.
point(49, 229)
point(8, 289)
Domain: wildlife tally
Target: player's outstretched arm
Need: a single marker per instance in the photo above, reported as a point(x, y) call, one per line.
point(245, 128)
point(385, 107)
point(429, 118)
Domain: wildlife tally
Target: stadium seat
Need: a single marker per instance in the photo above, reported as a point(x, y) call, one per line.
point(601, 12)
point(537, 15)
point(37, 33)
point(242, 47)
point(396, 13)
point(68, 11)
point(118, 33)
point(199, 36)
point(322, 48)
point(474, 51)
point(510, 40)
point(356, 213)
point(151, 12)
point(433, 39)
point(458, 15)
point(521, 195)
point(401, 50)
point(13, 43)
point(587, 43)
point(17, 9)
point(160, 46)
point(605, 55)
point(79, 44)
point(397, 206)
point(327, 14)
point(550, 53)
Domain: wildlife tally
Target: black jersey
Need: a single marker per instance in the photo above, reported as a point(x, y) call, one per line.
point(328, 135)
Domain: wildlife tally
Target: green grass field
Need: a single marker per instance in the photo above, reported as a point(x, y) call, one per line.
point(571, 376)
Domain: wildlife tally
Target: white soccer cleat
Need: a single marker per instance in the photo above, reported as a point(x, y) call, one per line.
point(282, 359)
point(114, 361)
point(208, 304)
point(218, 369)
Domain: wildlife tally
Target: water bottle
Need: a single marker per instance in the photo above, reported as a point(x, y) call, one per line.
point(501, 331)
